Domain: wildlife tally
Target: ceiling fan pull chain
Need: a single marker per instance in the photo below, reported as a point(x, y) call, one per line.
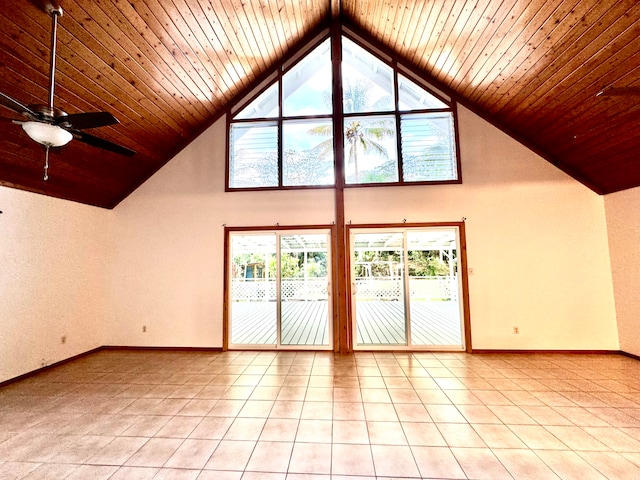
point(46, 162)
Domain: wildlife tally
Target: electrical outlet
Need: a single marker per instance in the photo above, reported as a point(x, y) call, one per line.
point(144, 328)
point(63, 339)
point(516, 330)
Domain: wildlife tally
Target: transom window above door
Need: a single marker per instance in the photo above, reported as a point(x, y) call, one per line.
point(395, 129)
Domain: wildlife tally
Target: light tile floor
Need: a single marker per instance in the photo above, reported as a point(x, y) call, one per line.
point(300, 416)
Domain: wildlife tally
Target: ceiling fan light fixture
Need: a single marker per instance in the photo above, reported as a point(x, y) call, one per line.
point(47, 134)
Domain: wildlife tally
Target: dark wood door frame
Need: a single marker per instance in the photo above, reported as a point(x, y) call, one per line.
point(462, 252)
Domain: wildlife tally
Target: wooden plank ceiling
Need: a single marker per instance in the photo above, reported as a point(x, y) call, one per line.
point(168, 68)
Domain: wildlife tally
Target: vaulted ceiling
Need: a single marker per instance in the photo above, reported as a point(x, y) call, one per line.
point(168, 68)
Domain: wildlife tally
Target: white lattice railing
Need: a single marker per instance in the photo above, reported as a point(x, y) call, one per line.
point(291, 289)
point(423, 288)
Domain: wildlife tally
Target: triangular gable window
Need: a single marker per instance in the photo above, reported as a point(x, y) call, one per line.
point(265, 106)
point(396, 131)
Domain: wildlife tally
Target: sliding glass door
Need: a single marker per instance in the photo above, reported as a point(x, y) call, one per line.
point(405, 288)
point(279, 295)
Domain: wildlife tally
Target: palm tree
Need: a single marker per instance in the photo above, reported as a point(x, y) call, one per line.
point(360, 135)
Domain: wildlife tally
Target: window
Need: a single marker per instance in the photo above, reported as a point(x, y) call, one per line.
point(395, 131)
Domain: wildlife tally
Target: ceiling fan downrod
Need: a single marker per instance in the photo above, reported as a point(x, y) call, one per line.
point(55, 12)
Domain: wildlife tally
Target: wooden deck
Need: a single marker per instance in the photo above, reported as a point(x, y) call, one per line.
point(303, 323)
point(378, 323)
point(383, 323)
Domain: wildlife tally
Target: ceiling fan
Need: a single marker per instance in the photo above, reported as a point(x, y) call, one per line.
point(52, 127)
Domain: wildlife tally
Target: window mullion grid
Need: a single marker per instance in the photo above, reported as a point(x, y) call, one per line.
point(280, 128)
point(396, 104)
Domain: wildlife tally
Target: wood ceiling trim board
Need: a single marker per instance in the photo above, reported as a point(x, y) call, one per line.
point(108, 95)
point(13, 48)
point(452, 21)
point(433, 48)
point(584, 109)
point(65, 169)
point(146, 113)
point(248, 25)
point(581, 72)
point(194, 56)
point(192, 19)
point(367, 16)
point(324, 8)
point(492, 25)
point(288, 22)
point(542, 76)
point(135, 74)
point(189, 52)
point(515, 17)
point(63, 182)
point(616, 134)
point(535, 65)
point(232, 24)
point(401, 38)
point(364, 12)
point(373, 18)
point(278, 28)
point(392, 28)
point(274, 47)
point(626, 172)
point(305, 17)
point(474, 13)
point(425, 47)
point(390, 14)
point(16, 180)
point(412, 41)
point(509, 82)
point(167, 44)
point(33, 86)
point(343, 9)
point(509, 42)
point(585, 119)
point(219, 55)
point(143, 55)
point(301, 15)
point(403, 30)
point(601, 164)
point(581, 90)
point(468, 41)
point(254, 51)
point(588, 109)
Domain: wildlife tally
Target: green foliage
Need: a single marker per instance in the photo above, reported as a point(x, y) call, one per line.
point(426, 264)
point(292, 265)
point(422, 263)
point(378, 263)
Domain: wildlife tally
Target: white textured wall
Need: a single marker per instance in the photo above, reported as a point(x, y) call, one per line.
point(168, 257)
point(52, 267)
point(537, 243)
point(623, 221)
